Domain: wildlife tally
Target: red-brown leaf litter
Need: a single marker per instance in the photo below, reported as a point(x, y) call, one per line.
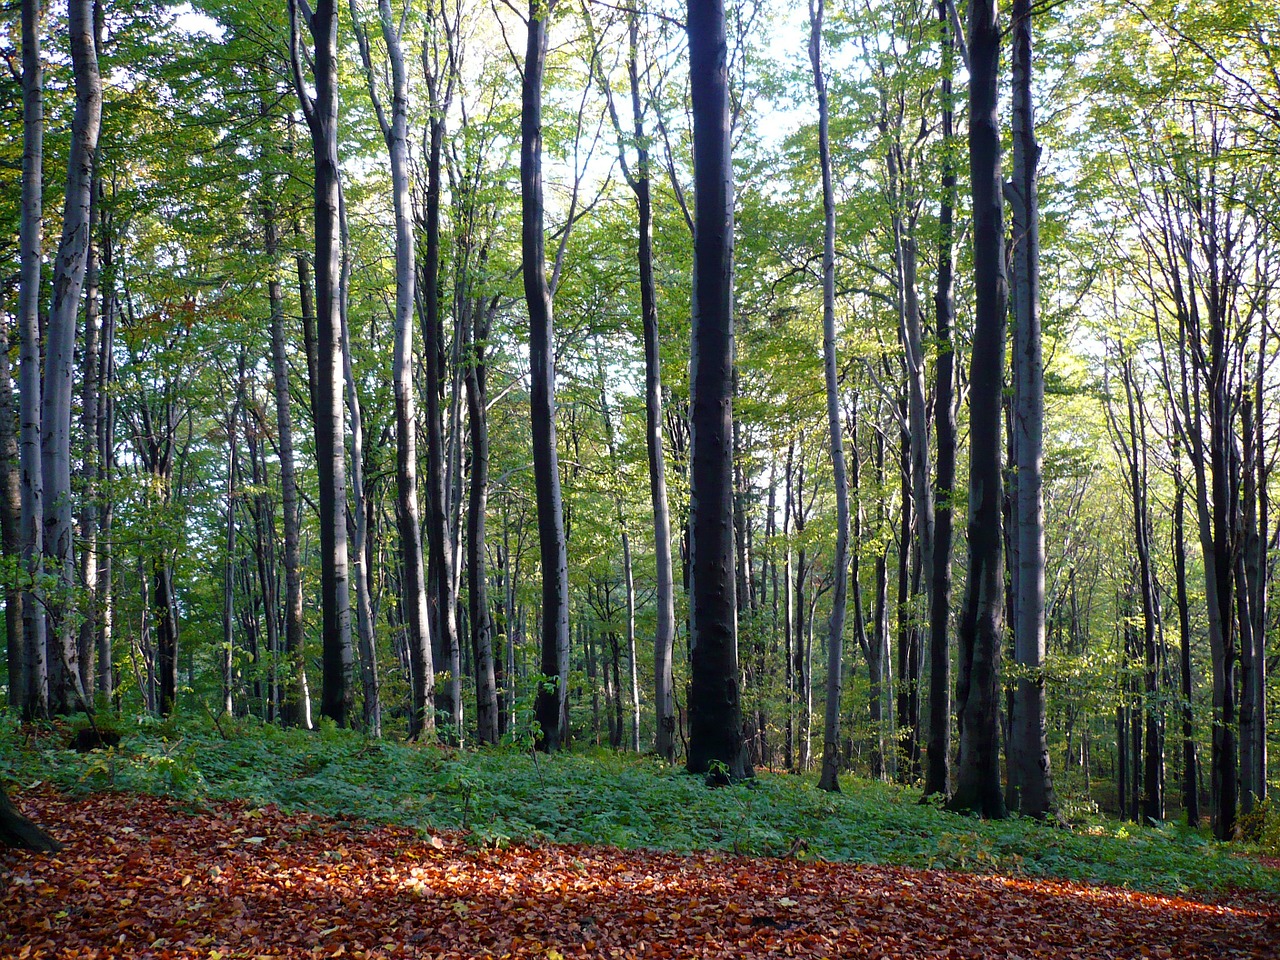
point(146, 877)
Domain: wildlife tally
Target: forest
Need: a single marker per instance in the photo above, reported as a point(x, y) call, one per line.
point(866, 390)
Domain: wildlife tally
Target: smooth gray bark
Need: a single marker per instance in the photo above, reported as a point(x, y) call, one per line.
point(395, 133)
point(829, 780)
point(69, 270)
point(36, 698)
point(295, 704)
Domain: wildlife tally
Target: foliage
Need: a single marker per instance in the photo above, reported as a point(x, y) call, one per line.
point(623, 801)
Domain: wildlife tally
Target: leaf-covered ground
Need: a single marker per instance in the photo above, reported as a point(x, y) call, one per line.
point(621, 800)
point(152, 877)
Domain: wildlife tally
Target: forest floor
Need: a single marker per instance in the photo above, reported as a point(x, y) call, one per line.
point(239, 840)
point(160, 877)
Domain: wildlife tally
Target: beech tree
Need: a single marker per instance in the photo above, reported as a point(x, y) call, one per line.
point(981, 633)
point(715, 706)
point(321, 112)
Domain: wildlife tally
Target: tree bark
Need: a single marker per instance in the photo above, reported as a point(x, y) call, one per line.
point(295, 705)
point(715, 710)
point(55, 418)
point(359, 517)
point(1030, 784)
point(829, 779)
point(1190, 763)
point(35, 672)
point(18, 832)
point(337, 659)
point(982, 622)
point(938, 753)
point(552, 703)
point(11, 528)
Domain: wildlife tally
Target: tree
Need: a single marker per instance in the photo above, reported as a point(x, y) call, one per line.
point(321, 113)
point(715, 710)
point(395, 132)
point(1030, 786)
point(981, 633)
point(552, 703)
point(55, 414)
point(19, 832)
point(938, 753)
point(840, 572)
point(35, 672)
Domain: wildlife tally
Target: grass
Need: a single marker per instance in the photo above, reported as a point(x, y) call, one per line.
point(621, 800)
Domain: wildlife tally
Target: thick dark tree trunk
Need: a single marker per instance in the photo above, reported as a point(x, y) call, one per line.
point(552, 704)
point(1030, 785)
point(19, 832)
point(1190, 762)
point(337, 659)
point(981, 635)
point(715, 709)
point(441, 597)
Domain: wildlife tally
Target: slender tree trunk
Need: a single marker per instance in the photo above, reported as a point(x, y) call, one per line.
point(938, 755)
point(552, 703)
point(88, 533)
point(413, 590)
point(106, 460)
point(295, 706)
point(829, 780)
point(441, 595)
point(1030, 784)
point(36, 674)
point(982, 622)
point(487, 714)
point(1190, 763)
point(55, 419)
point(11, 528)
point(665, 626)
point(359, 518)
point(228, 561)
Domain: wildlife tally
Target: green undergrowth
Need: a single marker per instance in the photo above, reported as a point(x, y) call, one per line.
point(626, 801)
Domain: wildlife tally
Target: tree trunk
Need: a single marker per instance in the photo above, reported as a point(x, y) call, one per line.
point(337, 659)
point(982, 621)
point(55, 417)
point(552, 702)
point(35, 672)
point(715, 710)
point(829, 780)
point(88, 532)
point(1030, 784)
point(295, 706)
point(11, 528)
point(1190, 763)
point(665, 626)
point(18, 832)
point(359, 517)
point(474, 374)
point(938, 754)
point(441, 596)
